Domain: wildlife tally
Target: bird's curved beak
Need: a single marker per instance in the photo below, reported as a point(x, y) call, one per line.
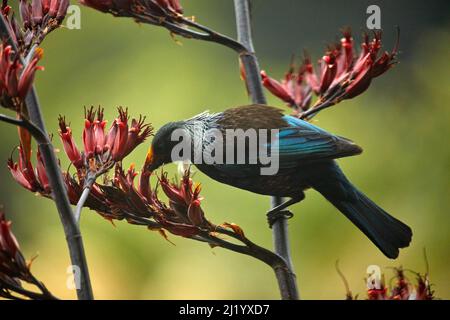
point(151, 162)
point(149, 159)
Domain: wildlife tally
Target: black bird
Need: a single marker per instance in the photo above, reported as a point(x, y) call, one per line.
point(306, 160)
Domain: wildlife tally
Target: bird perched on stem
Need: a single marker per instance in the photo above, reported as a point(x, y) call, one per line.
point(305, 155)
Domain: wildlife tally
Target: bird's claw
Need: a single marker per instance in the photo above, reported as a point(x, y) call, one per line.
point(273, 216)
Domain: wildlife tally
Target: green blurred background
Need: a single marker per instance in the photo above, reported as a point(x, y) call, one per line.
point(402, 122)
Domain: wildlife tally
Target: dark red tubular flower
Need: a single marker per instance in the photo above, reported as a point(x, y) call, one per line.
point(69, 145)
point(19, 172)
point(39, 18)
point(88, 133)
point(136, 201)
point(27, 168)
point(12, 25)
point(173, 192)
point(15, 81)
point(8, 242)
point(328, 71)
point(343, 75)
point(14, 270)
point(184, 199)
point(137, 133)
point(423, 288)
point(24, 173)
point(144, 185)
point(121, 137)
point(18, 175)
point(42, 174)
point(377, 294)
point(110, 138)
point(278, 89)
point(195, 213)
point(25, 14)
point(74, 189)
point(99, 132)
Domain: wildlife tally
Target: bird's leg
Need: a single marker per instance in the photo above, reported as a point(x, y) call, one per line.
point(279, 211)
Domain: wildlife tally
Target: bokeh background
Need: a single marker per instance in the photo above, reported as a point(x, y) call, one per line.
point(402, 122)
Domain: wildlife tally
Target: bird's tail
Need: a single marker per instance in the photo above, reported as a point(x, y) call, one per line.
point(385, 231)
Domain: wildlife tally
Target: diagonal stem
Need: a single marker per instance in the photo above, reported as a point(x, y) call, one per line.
point(32, 129)
point(286, 280)
point(84, 195)
point(196, 31)
point(71, 230)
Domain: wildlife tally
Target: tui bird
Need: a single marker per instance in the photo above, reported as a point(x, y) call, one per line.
point(306, 160)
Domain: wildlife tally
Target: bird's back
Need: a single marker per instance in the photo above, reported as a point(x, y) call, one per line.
point(299, 145)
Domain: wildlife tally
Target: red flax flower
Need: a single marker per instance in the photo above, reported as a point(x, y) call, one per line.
point(8, 242)
point(12, 25)
point(23, 171)
point(15, 80)
point(342, 74)
point(69, 145)
point(12, 262)
point(35, 180)
point(423, 288)
point(14, 269)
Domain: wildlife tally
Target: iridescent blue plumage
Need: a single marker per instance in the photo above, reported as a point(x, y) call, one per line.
point(302, 141)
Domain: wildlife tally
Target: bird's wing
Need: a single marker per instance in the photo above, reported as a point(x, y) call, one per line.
point(299, 142)
point(302, 142)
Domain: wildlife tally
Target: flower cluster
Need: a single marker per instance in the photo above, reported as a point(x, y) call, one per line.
point(15, 79)
point(39, 18)
point(101, 150)
point(402, 289)
point(148, 11)
point(12, 262)
point(342, 74)
point(14, 269)
point(119, 198)
point(186, 217)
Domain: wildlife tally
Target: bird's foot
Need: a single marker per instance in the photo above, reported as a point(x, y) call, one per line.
point(274, 215)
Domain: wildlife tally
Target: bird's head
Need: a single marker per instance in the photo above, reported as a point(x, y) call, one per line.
point(160, 151)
